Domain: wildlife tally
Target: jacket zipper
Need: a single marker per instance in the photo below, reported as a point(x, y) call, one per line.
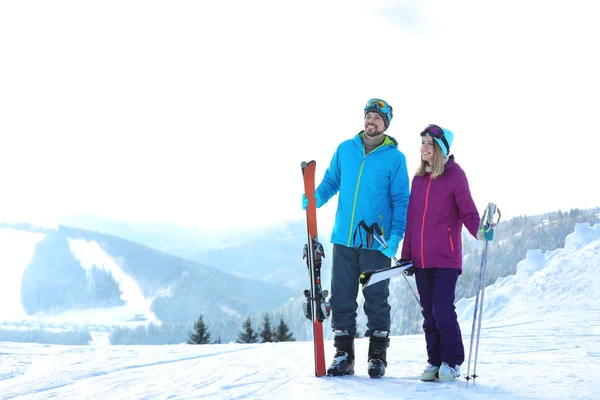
point(423, 222)
point(356, 191)
point(354, 204)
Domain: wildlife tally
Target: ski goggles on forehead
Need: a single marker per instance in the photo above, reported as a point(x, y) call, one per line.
point(436, 132)
point(433, 130)
point(380, 104)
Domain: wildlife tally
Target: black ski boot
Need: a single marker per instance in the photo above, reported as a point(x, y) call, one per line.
point(378, 344)
point(343, 361)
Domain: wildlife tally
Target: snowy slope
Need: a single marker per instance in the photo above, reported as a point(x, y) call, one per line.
point(90, 254)
point(539, 340)
point(557, 283)
point(17, 248)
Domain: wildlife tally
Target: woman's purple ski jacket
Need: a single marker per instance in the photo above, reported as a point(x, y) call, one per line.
point(437, 210)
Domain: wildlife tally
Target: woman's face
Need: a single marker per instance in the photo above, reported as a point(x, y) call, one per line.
point(427, 149)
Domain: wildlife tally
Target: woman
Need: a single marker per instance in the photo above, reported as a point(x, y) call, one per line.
point(440, 203)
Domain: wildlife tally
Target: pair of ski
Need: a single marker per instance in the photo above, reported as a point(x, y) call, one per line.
point(316, 307)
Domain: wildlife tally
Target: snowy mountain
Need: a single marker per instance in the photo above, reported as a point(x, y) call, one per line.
point(68, 277)
point(270, 253)
point(275, 252)
point(183, 241)
point(540, 339)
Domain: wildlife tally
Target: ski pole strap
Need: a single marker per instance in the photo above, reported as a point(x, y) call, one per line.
point(487, 220)
point(369, 232)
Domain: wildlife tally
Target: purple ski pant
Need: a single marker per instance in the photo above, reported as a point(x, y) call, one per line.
point(436, 288)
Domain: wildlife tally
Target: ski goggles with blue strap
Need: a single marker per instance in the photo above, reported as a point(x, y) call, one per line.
point(436, 132)
point(381, 106)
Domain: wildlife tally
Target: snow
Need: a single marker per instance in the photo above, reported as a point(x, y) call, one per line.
point(17, 248)
point(90, 254)
point(540, 339)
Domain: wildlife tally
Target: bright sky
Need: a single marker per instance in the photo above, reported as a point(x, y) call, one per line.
point(539, 340)
point(200, 112)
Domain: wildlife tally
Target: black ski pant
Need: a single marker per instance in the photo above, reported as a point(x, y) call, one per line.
point(347, 265)
point(436, 288)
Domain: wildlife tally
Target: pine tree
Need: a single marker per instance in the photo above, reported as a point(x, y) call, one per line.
point(247, 335)
point(266, 333)
point(199, 334)
point(283, 333)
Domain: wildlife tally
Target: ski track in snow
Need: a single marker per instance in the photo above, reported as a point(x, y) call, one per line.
point(535, 366)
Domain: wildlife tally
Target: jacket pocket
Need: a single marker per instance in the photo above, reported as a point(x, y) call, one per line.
point(450, 239)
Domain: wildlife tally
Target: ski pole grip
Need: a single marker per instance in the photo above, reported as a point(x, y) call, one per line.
point(490, 214)
point(487, 221)
point(490, 217)
point(380, 240)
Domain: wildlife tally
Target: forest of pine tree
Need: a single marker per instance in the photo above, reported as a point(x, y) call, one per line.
point(267, 334)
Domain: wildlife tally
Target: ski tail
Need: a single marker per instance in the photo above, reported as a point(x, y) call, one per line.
point(319, 348)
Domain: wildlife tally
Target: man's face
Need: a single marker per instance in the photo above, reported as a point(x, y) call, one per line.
point(374, 125)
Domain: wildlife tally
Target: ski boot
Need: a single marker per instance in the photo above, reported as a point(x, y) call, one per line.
point(430, 373)
point(448, 373)
point(378, 344)
point(343, 361)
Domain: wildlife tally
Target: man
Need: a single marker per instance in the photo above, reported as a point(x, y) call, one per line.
point(370, 174)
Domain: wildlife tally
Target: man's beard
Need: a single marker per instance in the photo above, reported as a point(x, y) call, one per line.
point(375, 133)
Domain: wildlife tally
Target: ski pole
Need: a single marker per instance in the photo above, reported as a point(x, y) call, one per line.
point(382, 242)
point(486, 223)
point(488, 217)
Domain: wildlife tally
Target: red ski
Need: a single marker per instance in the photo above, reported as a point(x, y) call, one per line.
point(316, 307)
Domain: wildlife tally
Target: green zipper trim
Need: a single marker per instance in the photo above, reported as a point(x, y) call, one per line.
point(355, 197)
point(387, 141)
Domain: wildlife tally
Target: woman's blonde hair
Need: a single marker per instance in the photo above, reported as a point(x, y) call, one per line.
point(437, 164)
